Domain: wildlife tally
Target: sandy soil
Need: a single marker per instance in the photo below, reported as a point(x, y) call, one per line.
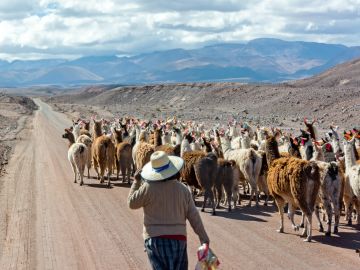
point(48, 222)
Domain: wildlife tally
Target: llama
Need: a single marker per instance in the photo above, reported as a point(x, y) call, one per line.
point(245, 141)
point(123, 156)
point(295, 181)
point(69, 136)
point(185, 144)
point(187, 173)
point(249, 163)
point(225, 180)
point(306, 148)
point(158, 143)
point(206, 171)
point(77, 156)
point(103, 152)
point(262, 183)
point(143, 151)
point(334, 138)
point(85, 139)
point(352, 175)
point(330, 189)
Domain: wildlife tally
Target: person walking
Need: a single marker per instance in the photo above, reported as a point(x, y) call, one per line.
point(167, 204)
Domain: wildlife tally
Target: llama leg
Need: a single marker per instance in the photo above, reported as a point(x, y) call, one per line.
point(102, 173)
point(82, 169)
point(304, 233)
point(357, 209)
point(337, 216)
point(74, 170)
point(96, 165)
point(211, 196)
point(280, 204)
point(257, 196)
point(117, 169)
point(237, 196)
point(329, 212)
point(266, 198)
point(308, 227)
point(108, 177)
point(252, 191)
point(317, 214)
point(204, 204)
point(218, 193)
point(123, 172)
point(291, 214)
point(128, 172)
point(229, 195)
point(349, 214)
point(302, 224)
point(346, 205)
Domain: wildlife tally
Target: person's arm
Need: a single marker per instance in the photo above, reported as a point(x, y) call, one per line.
point(137, 195)
point(195, 221)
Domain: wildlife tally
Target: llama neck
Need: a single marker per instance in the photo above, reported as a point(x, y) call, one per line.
point(71, 139)
point(178, 138)
point(318, 154)
point(350, 159)
point(245, 142)
point(185, 147)
point(157, 138)
point(335, 143)
point(225, 144)
point(97, 130)
point(272, 150)
point(137, 133)
point(76, 132)
point(118, 137)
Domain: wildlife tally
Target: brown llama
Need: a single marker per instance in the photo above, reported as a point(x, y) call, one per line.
point(294, 181)
point(103, 153)
point(168, 149)
point(123, 156)
point(143, 152)
point(225, 181)
point(206, 172)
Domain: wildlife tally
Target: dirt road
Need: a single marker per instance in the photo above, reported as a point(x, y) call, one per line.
point(48, 222)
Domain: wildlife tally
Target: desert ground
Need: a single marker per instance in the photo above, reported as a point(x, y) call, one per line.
point(48, 222)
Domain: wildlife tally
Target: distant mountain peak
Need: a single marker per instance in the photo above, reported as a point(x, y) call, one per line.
point(258, 60)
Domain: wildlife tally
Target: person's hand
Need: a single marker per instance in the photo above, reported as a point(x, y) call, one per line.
point(137, 175)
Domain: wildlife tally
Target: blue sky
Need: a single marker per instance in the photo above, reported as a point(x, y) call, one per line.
point(32, 29)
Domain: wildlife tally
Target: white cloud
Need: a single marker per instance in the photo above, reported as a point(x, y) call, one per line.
point(77, 27)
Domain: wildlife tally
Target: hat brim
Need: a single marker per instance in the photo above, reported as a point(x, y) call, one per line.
point(175, 165)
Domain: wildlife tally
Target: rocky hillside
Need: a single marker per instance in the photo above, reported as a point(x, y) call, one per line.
point(14, 110)
point(331, 97)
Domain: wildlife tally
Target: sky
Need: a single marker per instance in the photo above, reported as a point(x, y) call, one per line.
point(35, 29)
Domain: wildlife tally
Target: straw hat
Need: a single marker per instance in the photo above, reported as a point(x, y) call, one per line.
point(161, 167)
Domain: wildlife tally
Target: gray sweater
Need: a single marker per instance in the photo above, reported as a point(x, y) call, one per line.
point(166, 205)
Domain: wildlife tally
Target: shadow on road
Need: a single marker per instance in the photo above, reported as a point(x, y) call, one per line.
point(123, 185)
point(239, 215)
point(347, 240)
point(104, 185)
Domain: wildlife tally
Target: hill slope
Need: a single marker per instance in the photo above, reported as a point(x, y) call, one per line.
point(333, 96)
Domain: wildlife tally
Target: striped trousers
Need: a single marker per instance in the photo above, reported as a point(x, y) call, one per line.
point(166, 254)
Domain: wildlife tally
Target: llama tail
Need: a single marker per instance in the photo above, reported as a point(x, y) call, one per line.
point(81, 149)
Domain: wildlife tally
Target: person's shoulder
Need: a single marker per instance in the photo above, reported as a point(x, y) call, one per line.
point(182, 187)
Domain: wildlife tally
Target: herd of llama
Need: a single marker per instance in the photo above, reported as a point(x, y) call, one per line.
point(303, 172)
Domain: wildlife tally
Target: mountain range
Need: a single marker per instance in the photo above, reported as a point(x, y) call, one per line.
point(259, 60)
